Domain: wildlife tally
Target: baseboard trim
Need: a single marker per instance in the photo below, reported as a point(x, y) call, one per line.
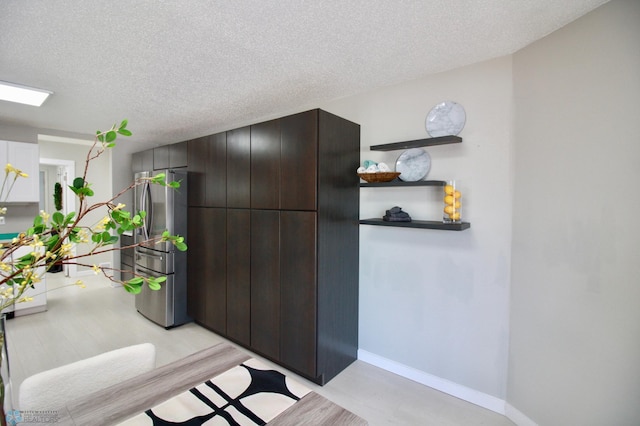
point(443, 385)
point(517, 416)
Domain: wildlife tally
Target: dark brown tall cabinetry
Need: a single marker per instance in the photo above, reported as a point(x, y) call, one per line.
point(273, 239)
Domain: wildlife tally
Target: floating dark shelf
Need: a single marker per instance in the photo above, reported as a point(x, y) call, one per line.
point(441, 140)
point(424, 224)
point(398, 182)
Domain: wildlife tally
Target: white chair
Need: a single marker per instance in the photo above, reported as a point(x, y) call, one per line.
point(55, 388)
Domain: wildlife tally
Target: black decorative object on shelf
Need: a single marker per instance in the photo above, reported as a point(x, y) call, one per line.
point(395, 214)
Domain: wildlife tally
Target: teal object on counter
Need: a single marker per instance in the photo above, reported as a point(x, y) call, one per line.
point(9, 236)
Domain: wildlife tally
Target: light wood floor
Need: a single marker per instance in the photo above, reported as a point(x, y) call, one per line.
point(80, 323)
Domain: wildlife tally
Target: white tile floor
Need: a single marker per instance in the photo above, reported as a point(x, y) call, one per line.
point(80, 323)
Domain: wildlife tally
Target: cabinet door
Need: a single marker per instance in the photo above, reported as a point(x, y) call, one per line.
point(215, 267)
point(25, 157)
point(127, 273)
point(142, 161)
point(136, 162)
point(298, 181)
point(207, 277)
point(126, 257)
point(126, 265)
point(298, 290)
point(239, 275)
point(265, 282)
point(161, 157)
point(4, 159)
point(239, 168)
point(216, 171)
point(178, 155)
point(197, 153)
point(265, 165)
point(199, 252)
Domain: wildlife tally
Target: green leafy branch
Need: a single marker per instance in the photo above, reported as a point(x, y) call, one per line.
point(110, 136)
point(134, 285)
point(51, 237)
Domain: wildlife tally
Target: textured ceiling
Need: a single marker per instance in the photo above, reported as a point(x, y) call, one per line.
point(181, 69)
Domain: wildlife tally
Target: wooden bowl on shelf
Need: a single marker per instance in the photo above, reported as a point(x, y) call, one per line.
point(379, 177)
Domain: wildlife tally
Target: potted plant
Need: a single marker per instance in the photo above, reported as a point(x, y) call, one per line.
point(56, 266)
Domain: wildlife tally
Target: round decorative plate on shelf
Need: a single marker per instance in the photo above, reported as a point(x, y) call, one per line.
point(413, 164)
point(446, 118)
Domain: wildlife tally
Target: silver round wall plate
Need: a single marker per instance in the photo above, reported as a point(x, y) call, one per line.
point(446, 118)
point(413, 164)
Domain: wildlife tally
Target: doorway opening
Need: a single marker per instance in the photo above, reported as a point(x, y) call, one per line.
point(54, 171)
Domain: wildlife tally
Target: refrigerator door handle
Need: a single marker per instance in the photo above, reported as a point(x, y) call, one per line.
point(145, 202)
point(139, 199)
point(141, 206)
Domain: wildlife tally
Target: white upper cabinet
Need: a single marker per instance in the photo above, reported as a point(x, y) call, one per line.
point(25, 157)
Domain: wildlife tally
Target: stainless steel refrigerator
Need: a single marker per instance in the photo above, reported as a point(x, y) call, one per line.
point(166, 210)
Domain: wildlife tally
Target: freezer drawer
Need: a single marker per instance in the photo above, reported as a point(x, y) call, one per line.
point(158, 261)
point(156, 305)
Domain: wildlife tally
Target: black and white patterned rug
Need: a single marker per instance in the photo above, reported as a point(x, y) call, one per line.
point(249, 394)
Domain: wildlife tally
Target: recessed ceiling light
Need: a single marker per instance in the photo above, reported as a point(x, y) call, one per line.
point(22, 94)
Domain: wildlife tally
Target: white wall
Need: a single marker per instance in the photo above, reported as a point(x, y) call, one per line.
point(575, 306)
point(437, 301)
